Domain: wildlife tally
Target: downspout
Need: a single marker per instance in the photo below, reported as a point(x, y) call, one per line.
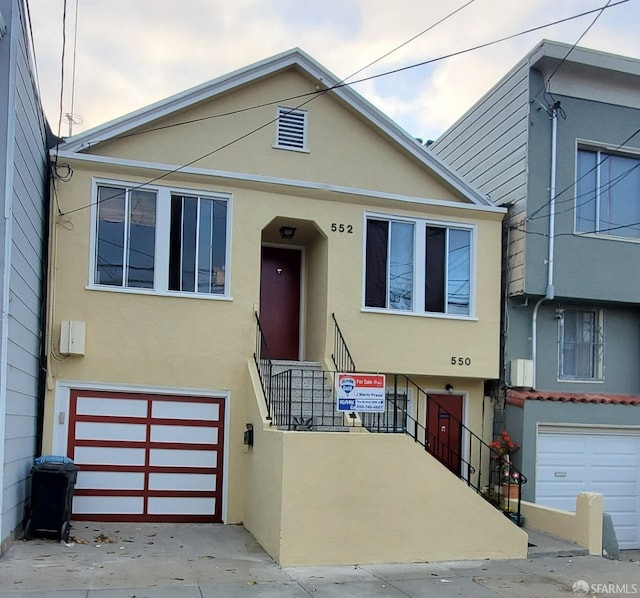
point(550, 292)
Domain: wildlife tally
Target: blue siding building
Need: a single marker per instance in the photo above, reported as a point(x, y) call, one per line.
point(557, 141)
point(23, 180)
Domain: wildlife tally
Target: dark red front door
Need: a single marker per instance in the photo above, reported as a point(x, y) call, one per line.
point(280, 301)
point(444, 415)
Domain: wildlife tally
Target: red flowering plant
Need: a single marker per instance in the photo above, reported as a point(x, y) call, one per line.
point(502, 449)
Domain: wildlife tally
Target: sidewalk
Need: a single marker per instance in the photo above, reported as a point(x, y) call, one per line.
point(204, 561)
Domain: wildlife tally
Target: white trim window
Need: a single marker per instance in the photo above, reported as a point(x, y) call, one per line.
point(418, 266)
point(291, 129)
point(608, 194)
point(160, 240)
point(581, 340)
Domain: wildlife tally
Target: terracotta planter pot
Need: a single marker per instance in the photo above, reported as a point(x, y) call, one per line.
point(510, 491)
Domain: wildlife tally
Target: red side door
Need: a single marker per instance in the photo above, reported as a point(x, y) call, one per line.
point(280, 301)
point(444, 415)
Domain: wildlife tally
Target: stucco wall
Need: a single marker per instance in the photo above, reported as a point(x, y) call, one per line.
point(367, 498)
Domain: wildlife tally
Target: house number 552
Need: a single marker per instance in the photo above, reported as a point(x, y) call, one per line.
point(342, 228)
point(461, 361)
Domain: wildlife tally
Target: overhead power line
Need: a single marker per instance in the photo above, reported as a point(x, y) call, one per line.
point(343, 83)
point(533, 214)
point(313, 95)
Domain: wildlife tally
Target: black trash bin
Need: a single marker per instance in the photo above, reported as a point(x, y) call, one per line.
point(53, 479)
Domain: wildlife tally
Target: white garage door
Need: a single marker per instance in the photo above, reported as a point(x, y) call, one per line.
point(579, 459)
point(145, 457)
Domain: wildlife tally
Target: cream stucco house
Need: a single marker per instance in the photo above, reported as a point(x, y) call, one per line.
point(274, 215)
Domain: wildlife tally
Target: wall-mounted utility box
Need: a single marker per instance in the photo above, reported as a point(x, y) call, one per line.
point(72, 334)
point(521, 373)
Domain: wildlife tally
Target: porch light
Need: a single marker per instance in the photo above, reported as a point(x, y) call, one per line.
point(449, 388)
point(287, 232)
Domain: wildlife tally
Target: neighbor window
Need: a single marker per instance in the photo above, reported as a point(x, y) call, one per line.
point(160, 240)
point(608, 194)
point(417, 266)
point(581, 344)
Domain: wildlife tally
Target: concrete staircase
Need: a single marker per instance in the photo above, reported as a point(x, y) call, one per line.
point(312, 397)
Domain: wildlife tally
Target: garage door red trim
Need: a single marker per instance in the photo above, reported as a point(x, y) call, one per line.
point(148, 445)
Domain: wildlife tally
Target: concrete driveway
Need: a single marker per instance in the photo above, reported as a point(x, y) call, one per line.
point(201, 561)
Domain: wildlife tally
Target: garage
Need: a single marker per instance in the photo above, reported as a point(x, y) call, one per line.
point(146, 457)
point(574, 459)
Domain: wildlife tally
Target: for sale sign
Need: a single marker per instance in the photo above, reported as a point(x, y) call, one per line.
point(360, 392)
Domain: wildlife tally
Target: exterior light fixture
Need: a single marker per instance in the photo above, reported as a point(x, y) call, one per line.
point(449, 388)
point(287, 232)
point(248, 435)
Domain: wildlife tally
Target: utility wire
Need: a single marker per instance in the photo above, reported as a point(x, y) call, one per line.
point(377, 76)
point(303, 95)
point(570, 185)
point(341, 84)
point(314, 96)
point(64, 40)
point(605, 187)
point(600, 11)
point(71, 115)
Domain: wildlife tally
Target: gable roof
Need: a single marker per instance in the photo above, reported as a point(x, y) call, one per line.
point(292, 58)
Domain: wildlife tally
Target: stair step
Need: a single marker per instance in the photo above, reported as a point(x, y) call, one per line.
point(280, 365)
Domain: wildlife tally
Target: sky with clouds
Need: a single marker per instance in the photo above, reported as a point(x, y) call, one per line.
point(132, 53)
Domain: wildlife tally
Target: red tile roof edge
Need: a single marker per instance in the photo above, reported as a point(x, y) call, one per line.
point(518, 397)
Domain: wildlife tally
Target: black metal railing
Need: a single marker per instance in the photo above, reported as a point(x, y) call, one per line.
point(304, 399)
point(264, 364)
point(458, 448)
point(341, 356)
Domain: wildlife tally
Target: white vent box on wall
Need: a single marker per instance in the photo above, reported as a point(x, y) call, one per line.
point(72, 333)
point(521, 374)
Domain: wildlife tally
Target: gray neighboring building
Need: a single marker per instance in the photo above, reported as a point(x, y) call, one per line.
point(557, 140)
point(23, 180)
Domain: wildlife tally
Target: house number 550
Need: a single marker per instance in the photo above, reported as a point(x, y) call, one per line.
point(461, 361)
point(342, 228)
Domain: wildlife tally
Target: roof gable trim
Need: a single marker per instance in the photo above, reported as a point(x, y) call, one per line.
point(295, 57)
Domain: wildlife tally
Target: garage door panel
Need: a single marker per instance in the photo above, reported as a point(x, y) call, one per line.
point(97, 406)
point(181, 506)
point(185, 481)
point(192, 434)
point(107, 431)
point(581, 460)
point(96, 455)
point(110, 480)
point(146, 457)
point(108, 505)
point(186, 410)
point(182, 458)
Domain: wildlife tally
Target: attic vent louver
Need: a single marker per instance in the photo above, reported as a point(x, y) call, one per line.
point(292, 129)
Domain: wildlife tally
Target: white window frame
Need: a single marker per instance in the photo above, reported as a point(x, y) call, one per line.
point(285, 111)
point(419, 271)
point(598, 366)
point(162, 249)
